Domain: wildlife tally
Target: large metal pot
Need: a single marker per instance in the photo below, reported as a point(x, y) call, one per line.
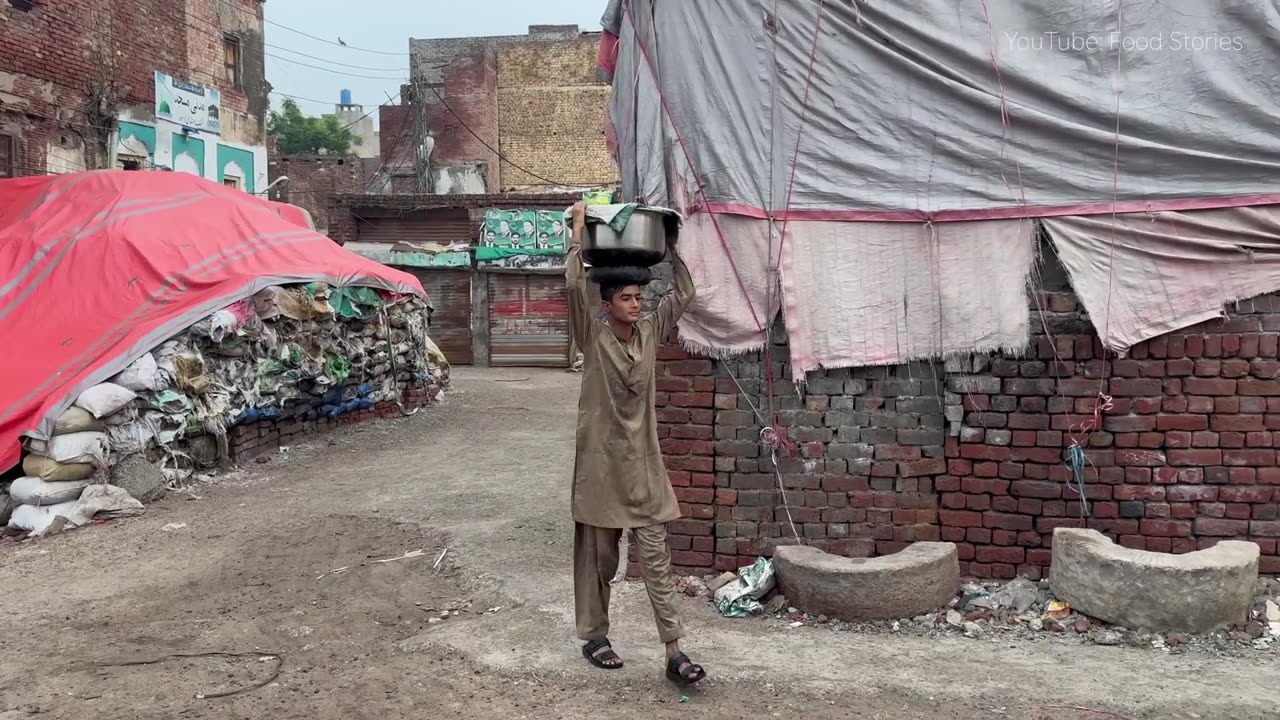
point(642, 243)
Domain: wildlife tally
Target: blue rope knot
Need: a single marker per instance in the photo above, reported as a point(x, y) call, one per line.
point(1076, 459)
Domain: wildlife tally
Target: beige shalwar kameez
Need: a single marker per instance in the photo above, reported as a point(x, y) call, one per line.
point(619, 482)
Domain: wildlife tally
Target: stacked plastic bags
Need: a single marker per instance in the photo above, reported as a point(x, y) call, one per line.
point(300, 352)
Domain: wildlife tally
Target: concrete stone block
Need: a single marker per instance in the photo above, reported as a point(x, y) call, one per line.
point(1194, 592)
point(920, 578)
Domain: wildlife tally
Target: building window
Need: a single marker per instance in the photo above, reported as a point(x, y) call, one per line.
point(8, 153)
point(231, 181)
point(22, 5)
point(231, 58)
point(129, 162)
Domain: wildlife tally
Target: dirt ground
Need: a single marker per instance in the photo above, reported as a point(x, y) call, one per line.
point(110, 621)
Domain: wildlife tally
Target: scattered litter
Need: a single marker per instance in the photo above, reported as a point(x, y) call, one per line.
point(173, 526)
point(740, 598)
point(1057, 610)
point(684, 698)
point(409, 555)
point(797, 624)
point(443, 552)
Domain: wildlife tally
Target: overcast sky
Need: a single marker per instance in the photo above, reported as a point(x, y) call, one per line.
point(386, 26)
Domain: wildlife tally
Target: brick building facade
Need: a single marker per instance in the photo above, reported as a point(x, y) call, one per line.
point(315, 179)
point(532, 99)
point(973, 451)
point(78, 85)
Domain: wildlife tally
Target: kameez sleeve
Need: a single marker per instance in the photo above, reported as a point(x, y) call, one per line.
point(582, 324)
point(677, 300)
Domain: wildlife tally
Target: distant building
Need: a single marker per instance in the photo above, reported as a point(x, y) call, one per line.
point(521, 113)
point(361, 123)
point(183, 89)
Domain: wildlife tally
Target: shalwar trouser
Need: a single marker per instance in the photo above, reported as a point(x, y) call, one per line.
point(595, 562)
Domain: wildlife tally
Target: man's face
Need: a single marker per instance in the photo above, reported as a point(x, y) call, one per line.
point(504, 227)
point(528, 228)
point(625, 306)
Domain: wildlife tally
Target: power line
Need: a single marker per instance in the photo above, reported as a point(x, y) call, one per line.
point(334, 62)
point(299, 97)
point(323, 40)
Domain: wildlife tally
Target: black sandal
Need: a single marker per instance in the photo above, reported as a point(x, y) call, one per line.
point(683, 672)
point(604, 660)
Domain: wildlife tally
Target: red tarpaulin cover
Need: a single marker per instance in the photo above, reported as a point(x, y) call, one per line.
point(98, 268)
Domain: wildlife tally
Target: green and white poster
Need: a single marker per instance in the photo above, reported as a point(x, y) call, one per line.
point(524, 229)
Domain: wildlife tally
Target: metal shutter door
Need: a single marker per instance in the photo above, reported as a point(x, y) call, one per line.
point(450, 293)
point(528, 321)
point(440, 226)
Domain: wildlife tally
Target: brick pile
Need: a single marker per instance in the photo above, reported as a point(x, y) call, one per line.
point(250, 440)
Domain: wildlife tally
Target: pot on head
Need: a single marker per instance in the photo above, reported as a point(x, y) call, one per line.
point(642, 243)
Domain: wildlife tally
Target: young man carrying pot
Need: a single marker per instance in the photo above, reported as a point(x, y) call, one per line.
point(619, 482)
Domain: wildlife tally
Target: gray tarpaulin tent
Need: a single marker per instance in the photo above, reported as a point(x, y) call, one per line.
point(872, 167)
point(899, 108)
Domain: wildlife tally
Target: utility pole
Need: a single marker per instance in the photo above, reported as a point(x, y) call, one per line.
point(421, 140)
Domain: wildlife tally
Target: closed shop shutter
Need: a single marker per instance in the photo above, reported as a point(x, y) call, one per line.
point(450, 292)
point(528, 321)
point(423, 226)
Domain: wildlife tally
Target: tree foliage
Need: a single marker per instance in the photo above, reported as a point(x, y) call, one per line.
point(299, 134)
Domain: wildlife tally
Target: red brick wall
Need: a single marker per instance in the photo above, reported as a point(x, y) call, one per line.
point(50, 55)
point(471, 91)
point(313, 179)
point(249, 440)
point(1185, 457)
point(972, 452)
point(870, 441)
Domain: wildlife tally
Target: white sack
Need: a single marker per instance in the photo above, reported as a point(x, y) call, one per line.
point(142, 375)
point(37, 519)
point(104, 399)
point(81, 447)
point(34, 491)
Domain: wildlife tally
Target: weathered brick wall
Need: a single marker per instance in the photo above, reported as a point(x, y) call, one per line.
point(52, 54)
point(466, 130)
point(313, 179)
point(870, 442)
point(249, 440)
point(972, 451)
point(245, 107)
point(552, 114)
point(1184, 457)
point(534, 97)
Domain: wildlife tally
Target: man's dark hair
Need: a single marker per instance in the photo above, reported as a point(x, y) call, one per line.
point(613, 279)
